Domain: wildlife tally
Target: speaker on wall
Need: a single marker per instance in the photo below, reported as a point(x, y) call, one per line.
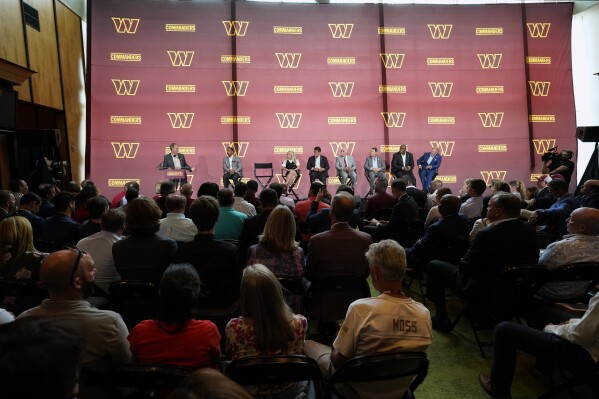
point(588, 134)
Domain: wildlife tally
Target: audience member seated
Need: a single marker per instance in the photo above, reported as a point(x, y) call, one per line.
point(96, 206)
point(509, 241)
point(418, 195)
point(29, 207)
point(241, 205)
point(7, 204)
point(215, 261)
point(380, 199)
point(283, 200)
point(119, 199)
point(254, 226)
point(580, 245)
point(209, 383)
point(543, 199)
point(372, 325)
point(230, 222)
point(277, 248)
point(18, 188)
point(434, 214)
point(463, 192)
point(432, 193)
point(250, 195)
point(131, 194)
point(590, 194)
point(303, 207)
point(175, 338)
point(208, 188)
point(352, 244)
point(186, 191)
point(517, 188)
point(553, 219)
point(99, 246)
point(40, 358)
point(404, 210)
point(473, 207)
point(18, 256)
point(144, 255)
point(69, 277)
point(319, 221)
point(47, 193)
point(566, 342)
point(175, 225)
point(497, 186)
point(266, 326)
point(60, 228)
point(88, 190)
point(450, 225)
point(531, 193)
point(167, 187)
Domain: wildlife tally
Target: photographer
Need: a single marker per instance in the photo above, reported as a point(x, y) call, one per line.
point(560, 163)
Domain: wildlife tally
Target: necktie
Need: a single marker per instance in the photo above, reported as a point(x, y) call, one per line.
point(345, 161)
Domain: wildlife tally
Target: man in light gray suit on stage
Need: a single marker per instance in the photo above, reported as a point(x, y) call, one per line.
point(232, 168)
point(374, 167)
point(346, 167)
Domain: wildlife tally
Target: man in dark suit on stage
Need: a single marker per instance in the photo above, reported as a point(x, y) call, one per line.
point(428, 165)
point(318, 165)
point(507, 241)
point(174, 160)
point(402, 164)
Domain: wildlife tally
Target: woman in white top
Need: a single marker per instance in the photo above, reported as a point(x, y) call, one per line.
point(290, 167)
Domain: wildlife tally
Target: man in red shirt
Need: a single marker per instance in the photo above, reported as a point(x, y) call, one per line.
point(302, 207)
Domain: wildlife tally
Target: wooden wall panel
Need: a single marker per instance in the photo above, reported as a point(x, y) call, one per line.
point(12, 44)
point(71, 58)
point(43, 57)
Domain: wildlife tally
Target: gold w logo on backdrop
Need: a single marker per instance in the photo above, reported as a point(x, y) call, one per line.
point(125, 87)
point(341, 31)
point(239, 147)
point(393, 119)
point(491, 119)
point(445, 147)
point(441, 89)
point(181, 58)
point(181, 120)
point(341, 89)
point(489, 61)
point(236, 28)
point(125, 150)
point(337, 146)
point(489, 175)
point(392, 60)
point(288, 60)
point(538, 29)
point(125, 25)
point(289, 120)
point(539, 89)
point(440, 31)
point(543, 145)
point(236, 87)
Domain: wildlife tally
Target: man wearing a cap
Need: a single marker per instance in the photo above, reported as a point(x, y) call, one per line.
point(544, 199)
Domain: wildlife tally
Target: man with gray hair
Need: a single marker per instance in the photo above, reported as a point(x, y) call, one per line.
point(390, 321)
point(175, 225)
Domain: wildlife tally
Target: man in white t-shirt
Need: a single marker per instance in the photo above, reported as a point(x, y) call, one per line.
point(389, 322)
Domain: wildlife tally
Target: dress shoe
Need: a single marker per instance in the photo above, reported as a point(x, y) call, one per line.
point(485, 383)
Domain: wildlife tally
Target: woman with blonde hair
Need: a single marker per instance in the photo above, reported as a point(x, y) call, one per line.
point(18, 256)
point(266, 326)
point(290, 168)
point(277, 248)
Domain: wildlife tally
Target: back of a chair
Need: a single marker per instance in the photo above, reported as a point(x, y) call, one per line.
point(329, 297)
point(273, 370)
point(263, 169)
point(18, 295)
point(382, 214)
point(383, 366)
point(293, 290)
point(450, 250)
point(135, 300)
point(512, 294)
point(580, 271)
point(149, 379)
point(409, 232)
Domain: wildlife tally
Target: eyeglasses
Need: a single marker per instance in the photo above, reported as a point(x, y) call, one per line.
point(80, 254)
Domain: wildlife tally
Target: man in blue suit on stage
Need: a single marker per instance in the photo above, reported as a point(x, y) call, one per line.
point(428, 166)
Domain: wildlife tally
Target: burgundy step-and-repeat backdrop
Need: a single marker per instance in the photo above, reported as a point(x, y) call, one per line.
point(489, 85)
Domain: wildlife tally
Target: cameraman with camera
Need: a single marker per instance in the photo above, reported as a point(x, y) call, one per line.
point(560, 163)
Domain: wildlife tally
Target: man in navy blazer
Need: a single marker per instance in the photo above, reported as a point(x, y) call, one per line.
point(428, 165)
point(318, 165)
point(174, 160)
point(402, 164)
